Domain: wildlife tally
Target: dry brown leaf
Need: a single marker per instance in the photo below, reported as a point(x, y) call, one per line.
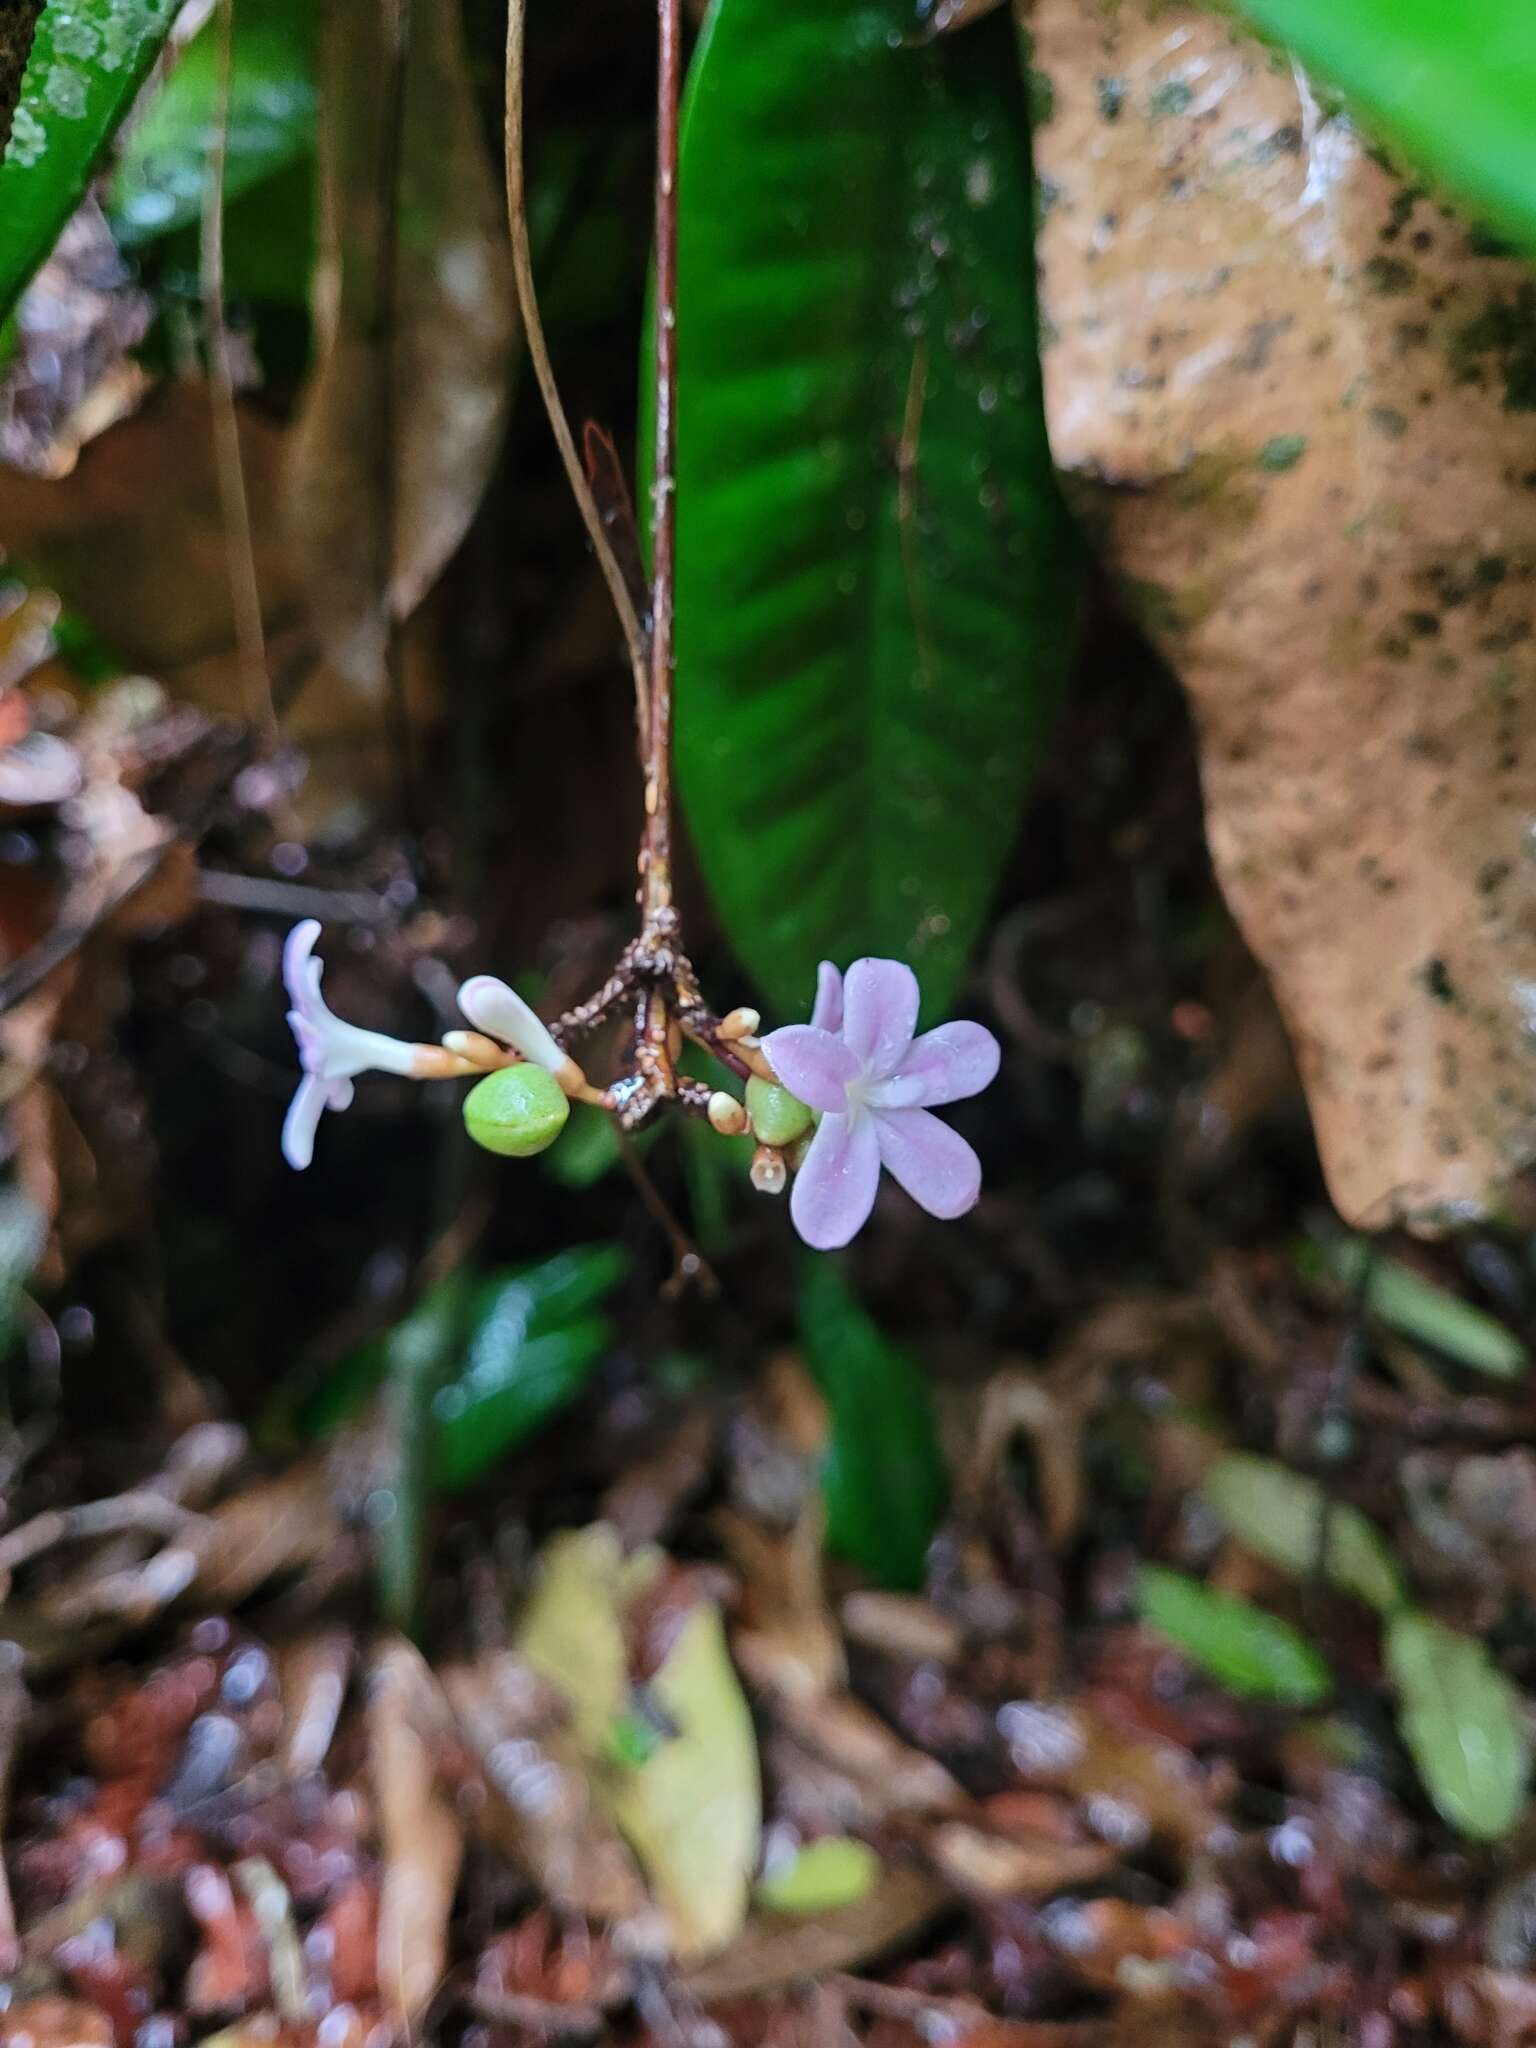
point(445, 382)
point(419, 1837)
point(1295, 398)
point(771, 1951)
point(151, 571)
point(999, 1866)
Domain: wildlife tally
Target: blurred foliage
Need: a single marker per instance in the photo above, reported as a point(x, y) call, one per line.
point(1462, 1723)
point(161, 172)
point(884, 1477)
point(1416, 1307)
point(1454, 87)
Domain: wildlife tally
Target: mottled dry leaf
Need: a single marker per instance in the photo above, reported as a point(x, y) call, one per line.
point(1298, 401)
point(447, 300)
point(540, 1809)
point(71, 376)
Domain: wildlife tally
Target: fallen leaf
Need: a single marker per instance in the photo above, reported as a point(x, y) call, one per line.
point(1293, 396)
point(693, 1809)
point(423, 343)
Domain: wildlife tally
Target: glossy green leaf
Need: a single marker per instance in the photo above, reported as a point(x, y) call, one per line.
point(1455, 87)
point(1291, 1521)
point(876, 581)
point(88, 60)
point(1460, 1719)
point(884, 1480)
point(1417, 1308)
point(158, 184)
point(1239, 1644)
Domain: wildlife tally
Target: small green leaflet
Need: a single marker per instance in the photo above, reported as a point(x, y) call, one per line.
point(1460, 1719)
point(876, 581)
point(1288, 1519)
point(1406, 1302)
point(88, 60)
point(1236, 1642)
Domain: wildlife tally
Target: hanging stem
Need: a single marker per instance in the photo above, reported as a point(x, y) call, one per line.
point(543, 369)
point(656, 844)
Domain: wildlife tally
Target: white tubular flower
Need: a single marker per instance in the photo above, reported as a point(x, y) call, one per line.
point(330, 1049)
point(501, 1013)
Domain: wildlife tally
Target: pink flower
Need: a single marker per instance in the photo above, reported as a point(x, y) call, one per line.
point(330, 1050)
point(859, 1064)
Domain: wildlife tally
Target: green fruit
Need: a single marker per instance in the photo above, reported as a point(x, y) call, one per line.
point(516, 1112)
point(778, 1117)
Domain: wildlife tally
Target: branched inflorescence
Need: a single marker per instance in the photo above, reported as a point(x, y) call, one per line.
point(829, 1103)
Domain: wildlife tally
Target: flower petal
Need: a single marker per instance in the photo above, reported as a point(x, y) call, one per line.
point(880, 1000)
point(827, 1014)
point(834, 1190)
point(301, 974)
point(812, 1064)
point(303, 1120)
point(494, 1008)
point(934, 1164)
point(942, 1066)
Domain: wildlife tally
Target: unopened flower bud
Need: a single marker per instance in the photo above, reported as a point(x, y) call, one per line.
point(517, 1112)
point(727, 1114)
point(480, 1051)
point(741, 1023)
point(778, 1117)
point(769, 1174)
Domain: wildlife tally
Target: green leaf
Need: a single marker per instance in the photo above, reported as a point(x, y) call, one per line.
point(158, 184)
point(1460, 1719)
point(834, 1871)
point(1288, 1519)
point(876, 580)
point(88, 60)
point(1417, 1308)
point(1239, 1644)
point(510, 1370)
point(515, 1384)
point(1455, 87)
point(884, 1480)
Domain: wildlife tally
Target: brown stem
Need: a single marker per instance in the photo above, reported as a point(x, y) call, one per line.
point(234, 501)
point(656, 843)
